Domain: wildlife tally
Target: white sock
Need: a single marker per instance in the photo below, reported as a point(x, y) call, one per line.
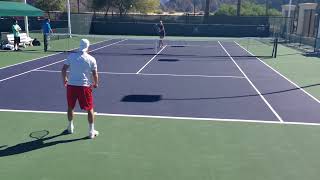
point(71, 124)
point(91, 127)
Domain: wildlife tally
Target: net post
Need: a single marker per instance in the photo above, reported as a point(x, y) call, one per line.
point(69, 18)
point(26, 22)
point(275, 48)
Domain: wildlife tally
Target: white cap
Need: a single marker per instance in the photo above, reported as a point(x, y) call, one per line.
point(84, 45)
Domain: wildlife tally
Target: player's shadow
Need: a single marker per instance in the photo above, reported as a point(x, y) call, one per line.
point(35, 145)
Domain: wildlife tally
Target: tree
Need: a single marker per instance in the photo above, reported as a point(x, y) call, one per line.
point(195, 4)
point(247, 9)
point(101, 5)
point(239, 8)
point(123, 5)
point(146, 6)
point(228, 10)
point(50, 5)
point(180, 5)
point(207, 11)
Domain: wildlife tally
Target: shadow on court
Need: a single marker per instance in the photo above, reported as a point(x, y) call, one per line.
point(35, 145)
point(141, 49)
point(168, 60)
point(155, 98)
point(141, 98)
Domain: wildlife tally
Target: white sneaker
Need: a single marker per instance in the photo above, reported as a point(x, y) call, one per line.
point(70, 129)
point(93, 134)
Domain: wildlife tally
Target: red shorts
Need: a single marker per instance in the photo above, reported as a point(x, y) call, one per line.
point(82, 94)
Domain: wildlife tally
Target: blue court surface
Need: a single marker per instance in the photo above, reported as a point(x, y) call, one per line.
point(210, 80)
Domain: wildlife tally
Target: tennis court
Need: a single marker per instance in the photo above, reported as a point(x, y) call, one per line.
point(194, 109)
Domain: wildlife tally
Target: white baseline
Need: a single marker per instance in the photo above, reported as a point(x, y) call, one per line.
point(169, 117)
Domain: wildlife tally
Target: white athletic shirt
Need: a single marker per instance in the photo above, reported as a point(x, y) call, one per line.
point(81, 65)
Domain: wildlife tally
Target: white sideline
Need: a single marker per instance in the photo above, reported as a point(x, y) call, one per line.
point(47, 56)
point(310, 95)
point(262, 97)
point(17, 75)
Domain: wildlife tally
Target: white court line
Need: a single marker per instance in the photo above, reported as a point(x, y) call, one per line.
point(170, 45)
point(48, 56)
point(148, 74)
point(151, 59)
point(26, 72)
point(262, 97)
point(17, 75)
point(297, 86)
point(191, 75)
point(169, 117)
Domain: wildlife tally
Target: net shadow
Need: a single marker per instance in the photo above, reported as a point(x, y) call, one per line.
point(156, 98)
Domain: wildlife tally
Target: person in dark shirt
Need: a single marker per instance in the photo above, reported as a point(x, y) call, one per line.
point(162, 34)
point(46, 29)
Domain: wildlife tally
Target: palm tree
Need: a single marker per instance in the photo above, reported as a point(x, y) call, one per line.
point(238, 8)
point(206, 11)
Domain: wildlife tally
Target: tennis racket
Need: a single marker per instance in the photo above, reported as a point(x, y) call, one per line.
point(156, 29)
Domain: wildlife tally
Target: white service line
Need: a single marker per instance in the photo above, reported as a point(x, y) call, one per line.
point(191, 75)
point(310, 95)
point(108, 45)
point(48, 56)
point(147, 74)
point(17, 75)
point(171, 45)
point(169, 117)
point(262, 97)
point(151, 59)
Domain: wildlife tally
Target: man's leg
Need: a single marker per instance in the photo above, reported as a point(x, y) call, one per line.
point(15, 46)
point(70, 119)
point(71, 99)
point(45, 42)
point(91, 116)
point(92, 132)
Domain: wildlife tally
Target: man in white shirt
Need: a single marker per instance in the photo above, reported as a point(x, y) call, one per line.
point(83, 75)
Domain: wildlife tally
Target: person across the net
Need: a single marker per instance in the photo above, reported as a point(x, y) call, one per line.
point(82, 77)
point(16, 35)
point(46, 29)
point(162, 34)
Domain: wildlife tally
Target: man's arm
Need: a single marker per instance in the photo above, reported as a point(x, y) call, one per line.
point(50, 29)
point(64, 74)
point(95, 78)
